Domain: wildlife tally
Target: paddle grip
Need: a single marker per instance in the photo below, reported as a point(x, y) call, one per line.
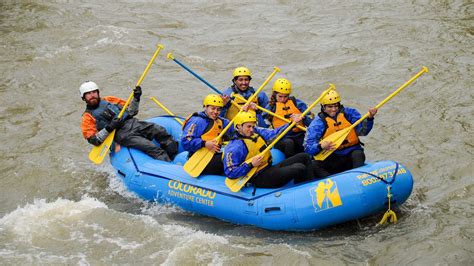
point(145, 72)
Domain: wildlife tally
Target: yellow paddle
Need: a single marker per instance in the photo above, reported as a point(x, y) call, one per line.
point(271, 113)
point(338, 137)
point(201, 158)
point(166, 109)
point(98, 153)
point(235, 185)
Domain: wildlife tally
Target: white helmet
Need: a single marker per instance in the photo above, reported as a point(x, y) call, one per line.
point(87, 87)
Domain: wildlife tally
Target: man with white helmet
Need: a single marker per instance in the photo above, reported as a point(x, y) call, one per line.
point(100, 119)
point(241, 86)
point(201, 129)
point(332, 118)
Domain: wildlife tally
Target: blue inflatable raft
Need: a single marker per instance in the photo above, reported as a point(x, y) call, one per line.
point(308, 206)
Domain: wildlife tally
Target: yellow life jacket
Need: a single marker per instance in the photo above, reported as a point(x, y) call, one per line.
point(255, 145)
point(233, 110)
point(213, 128)
point(285, 110)
point(340, 123)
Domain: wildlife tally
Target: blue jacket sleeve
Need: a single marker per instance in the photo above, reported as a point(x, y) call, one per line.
point(302, 107)
point(267, 117)
point(262, 101)
point(314, 132)
point(192, 132)
point(227, 92)
point(363, 128)
point(234, 159)
point(270, 134)
point(231, 130)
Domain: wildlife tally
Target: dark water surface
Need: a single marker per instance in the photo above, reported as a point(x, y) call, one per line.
point(58, 208)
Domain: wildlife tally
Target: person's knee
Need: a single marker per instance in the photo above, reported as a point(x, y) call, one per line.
point(300, 173)
point(358, 158)
point(317, 164)
point(299, 167)
point(319, 171)
point(305, 158)
point(358, 155)
point(160, 133)
point(170, 146)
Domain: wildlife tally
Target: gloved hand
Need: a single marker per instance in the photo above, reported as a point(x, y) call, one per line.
point(137, 93)
point(114, 124)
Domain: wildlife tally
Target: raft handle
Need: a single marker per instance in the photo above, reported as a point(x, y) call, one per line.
point(270, 209)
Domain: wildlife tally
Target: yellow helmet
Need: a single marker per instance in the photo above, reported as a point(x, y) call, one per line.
point(282, 86)
point(244, 117)
point(242, 71)
point(214, 100)
point(331, 97)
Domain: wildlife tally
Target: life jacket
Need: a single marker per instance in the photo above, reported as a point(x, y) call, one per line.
point(213, 128)
point(255, 145)
point(105, 112)
point(285, 110)
point(233, 110)
point(340, 123)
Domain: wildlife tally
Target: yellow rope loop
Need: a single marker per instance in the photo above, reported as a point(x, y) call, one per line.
point(389, 214)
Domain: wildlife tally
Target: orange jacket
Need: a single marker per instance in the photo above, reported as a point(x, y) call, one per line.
point(89, 126)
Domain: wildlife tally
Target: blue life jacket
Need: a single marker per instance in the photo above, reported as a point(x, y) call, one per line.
point(105, 112)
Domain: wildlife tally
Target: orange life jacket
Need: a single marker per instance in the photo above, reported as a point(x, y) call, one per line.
point(285, 110)
point(340, 123)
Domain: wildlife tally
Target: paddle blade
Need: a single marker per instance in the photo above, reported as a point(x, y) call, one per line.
point(196, 164)
point(235, 185)
point(98, 153)
point(337, 139)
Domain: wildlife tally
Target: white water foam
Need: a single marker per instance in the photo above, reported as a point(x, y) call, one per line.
point(193, 242)
point(113, 35)
point(34, 217)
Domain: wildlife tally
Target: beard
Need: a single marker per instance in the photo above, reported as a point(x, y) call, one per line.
point(93, 101)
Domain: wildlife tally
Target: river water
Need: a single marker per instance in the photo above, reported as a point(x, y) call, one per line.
point(58, 208)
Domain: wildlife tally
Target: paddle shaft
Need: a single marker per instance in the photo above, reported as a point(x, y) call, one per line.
point(145, 72)
point(338, 137)
point(236, 184)
point(98, 153)
point(282, 134)
point(272, 113)
point(165, 109)
point(276, 69)
point(170, 56)
point(201, 158)
point(397, 91)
